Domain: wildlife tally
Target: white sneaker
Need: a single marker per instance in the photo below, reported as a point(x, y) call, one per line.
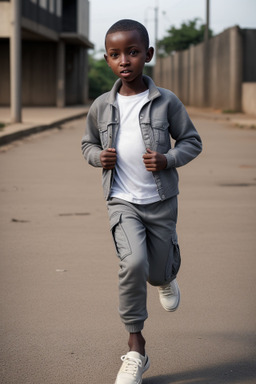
point(134, 365)
point(169, 296)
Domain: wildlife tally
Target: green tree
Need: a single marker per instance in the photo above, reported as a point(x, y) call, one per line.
point(178, 39)
point(101, 78)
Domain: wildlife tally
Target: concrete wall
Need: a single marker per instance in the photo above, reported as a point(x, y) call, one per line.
point(249, 53)
point(39, 73)
point(76, 77)
point(5, 17)
point(249, 98)
point(5, 72)
point(196, 77)
point(208, 74)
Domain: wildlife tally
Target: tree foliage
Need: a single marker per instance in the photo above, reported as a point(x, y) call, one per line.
point(178, 39)
point(101, 78)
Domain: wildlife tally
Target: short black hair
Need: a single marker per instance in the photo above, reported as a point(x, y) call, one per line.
point(130, 25)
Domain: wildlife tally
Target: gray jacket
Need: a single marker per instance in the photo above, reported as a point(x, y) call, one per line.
point(161, 117)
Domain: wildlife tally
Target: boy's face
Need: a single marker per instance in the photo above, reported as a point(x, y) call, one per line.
point(126, 54)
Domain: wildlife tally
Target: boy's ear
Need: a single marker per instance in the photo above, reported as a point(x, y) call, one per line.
point(149, 54)
point(106, 58)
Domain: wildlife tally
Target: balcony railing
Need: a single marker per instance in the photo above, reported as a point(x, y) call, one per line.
point(39, 15)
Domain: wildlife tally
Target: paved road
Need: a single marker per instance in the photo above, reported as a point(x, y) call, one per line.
point(58, 293)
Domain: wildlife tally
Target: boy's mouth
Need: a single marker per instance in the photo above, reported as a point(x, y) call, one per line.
point(125, 71)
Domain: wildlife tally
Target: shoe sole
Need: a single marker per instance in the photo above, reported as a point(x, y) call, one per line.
point(145, 368)
point(147, 365)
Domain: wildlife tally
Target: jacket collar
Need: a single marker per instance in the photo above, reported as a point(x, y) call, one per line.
point(153, 90)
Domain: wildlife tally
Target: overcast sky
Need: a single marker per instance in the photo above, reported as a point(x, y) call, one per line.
point(223, 14)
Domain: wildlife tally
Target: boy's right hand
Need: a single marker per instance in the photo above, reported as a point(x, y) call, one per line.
point(108, 158)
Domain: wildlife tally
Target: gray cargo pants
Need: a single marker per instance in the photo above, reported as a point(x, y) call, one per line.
point(146, 243)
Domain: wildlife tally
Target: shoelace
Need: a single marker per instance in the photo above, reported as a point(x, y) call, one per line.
point(131, 365)
point(168, 290)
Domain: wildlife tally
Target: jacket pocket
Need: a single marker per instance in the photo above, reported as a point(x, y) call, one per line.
point(106, 134)
point(120, 239)
point(174, 260)
point(161, 133)
point(103, 130)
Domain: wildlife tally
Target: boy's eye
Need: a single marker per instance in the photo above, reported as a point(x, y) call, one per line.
point(133, 52)
point(114, 55)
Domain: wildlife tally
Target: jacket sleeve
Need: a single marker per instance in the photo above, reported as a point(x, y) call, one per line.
point(91, 144)
point(188, 143)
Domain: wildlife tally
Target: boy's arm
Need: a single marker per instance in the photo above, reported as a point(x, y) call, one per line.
point(188, 142)
point(92, 148)
point(91, 144)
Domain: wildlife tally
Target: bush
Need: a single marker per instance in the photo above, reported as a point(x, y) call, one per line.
point(101, 78)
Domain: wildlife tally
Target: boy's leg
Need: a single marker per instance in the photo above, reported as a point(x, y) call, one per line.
point(163, 249)
point(137, 343)
point(129, 236)
point(146, 243)
point(163, 252)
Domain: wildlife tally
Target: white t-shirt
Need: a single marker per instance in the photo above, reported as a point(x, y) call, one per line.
point(132, 181)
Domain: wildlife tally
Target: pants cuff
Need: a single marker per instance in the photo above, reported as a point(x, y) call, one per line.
point(134, 328)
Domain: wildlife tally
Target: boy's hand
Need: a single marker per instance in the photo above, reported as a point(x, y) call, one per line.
point(108, 158)
point(154, 161)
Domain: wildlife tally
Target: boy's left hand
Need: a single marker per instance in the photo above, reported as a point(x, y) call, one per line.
point(154, 161)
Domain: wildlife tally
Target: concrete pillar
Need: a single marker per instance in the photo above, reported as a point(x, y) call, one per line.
point(206, 75)
point(61, 86)
point(236, 69)
point(84, 85)
point(15, 60)
point(158, 71)
point(188, 76)
point(172, 72)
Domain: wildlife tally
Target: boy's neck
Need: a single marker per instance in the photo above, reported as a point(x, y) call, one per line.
point(132, 88)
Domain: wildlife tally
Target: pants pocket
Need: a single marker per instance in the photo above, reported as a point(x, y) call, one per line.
point(120, 239)
point(174, 260)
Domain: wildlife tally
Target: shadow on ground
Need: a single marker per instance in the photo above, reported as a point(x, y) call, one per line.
point(241, 371)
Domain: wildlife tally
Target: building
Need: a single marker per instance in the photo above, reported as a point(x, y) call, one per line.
point(43, 53)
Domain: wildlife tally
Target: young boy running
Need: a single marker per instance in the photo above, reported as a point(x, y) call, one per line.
point(128, 134)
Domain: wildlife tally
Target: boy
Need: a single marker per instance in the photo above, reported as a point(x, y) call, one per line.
point(128, 135)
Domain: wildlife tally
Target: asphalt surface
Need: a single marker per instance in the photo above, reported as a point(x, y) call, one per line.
point(58, 293)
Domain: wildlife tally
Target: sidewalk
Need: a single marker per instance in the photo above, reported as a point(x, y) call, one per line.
point(240, 119)
point(37, 119)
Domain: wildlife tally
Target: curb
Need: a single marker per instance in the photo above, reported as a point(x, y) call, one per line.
point(10, 137)
point(238, 121)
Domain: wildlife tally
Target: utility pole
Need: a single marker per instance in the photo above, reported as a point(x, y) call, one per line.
point(156, 29)
point(155, 9)
point(206, 31)
point(15, 60)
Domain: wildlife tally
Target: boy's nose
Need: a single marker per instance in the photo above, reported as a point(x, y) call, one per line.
point(124, 60)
